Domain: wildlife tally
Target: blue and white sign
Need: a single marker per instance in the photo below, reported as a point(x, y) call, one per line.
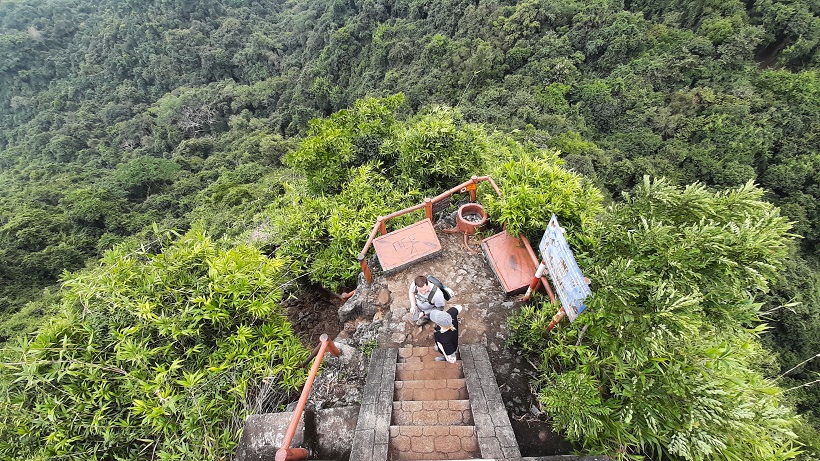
point(563, 270)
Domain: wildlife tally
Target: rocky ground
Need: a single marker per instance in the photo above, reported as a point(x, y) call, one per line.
point(378, 316)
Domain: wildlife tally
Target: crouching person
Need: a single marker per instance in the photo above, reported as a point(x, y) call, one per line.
point(424, 298)
point(446, 333)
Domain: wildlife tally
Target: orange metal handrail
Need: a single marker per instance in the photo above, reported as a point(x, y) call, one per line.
point(535, 260)
point(286, 453)
point(381, 228)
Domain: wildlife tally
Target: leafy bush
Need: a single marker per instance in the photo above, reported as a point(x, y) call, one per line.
point(438, 150)
point(533, 187)
point(33, 315)
point(791, 308)
point(324, 156)
point(348, 138)
point(228, 205)
point(324, 235)
point(528, 328)
point(143, 175)
point(154, 355)
point(434, 150)
point(662, 364)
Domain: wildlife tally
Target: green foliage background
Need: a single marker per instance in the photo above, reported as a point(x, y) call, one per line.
point(292, 125)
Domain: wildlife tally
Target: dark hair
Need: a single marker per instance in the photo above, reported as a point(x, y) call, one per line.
point(421, 281)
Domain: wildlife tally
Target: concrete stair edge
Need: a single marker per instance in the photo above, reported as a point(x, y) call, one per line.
point(461, 380)
point(421, 390)
point(432, 413)
point(416, 354)
point(428, 371)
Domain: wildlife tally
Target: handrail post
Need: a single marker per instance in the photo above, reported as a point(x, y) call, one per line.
point(331, 346)
point(428, 208)
point(536, 261)
point(539, 272)
point(365, 268)
point(286, 453)
point(556, 318)
point(474, 181)
point(382, 226)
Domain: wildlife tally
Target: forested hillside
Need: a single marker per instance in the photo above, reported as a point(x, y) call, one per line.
point(255, 120)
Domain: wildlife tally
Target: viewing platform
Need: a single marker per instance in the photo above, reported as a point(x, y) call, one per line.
point(511, 258)
point(413, 407)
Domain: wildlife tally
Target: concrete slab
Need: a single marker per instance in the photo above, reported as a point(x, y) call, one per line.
point(495, 434)
point(400, 248)
point(335, 428)
point(263, 435)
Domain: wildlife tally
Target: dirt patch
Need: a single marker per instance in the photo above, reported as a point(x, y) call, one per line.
point(342, 378)
point(532, 428)
point(313, 313)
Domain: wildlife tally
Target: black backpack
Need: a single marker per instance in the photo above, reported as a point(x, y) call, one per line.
point(448, 293)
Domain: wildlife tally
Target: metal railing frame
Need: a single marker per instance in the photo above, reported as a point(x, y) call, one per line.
point(381, 228)
point(286, 453)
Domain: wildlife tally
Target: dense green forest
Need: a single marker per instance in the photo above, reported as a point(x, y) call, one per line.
point(284, 128)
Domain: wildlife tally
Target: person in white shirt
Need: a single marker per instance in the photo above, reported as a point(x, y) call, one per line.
point(424, 297)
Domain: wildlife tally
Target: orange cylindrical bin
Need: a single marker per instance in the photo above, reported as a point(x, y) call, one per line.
point(470, 217)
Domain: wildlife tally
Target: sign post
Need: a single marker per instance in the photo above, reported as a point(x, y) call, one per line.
point(534, 284)
point(559, 262)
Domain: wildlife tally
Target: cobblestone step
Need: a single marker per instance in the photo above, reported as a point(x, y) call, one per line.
point(433, 443)
point(432, 413)
point(438, 389)
point(428, 370)
point(417, 354)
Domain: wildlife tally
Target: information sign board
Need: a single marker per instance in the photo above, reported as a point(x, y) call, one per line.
point(570, 285)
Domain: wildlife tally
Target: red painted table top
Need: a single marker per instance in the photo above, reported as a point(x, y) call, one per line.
point(406, 245)
point(510, 261)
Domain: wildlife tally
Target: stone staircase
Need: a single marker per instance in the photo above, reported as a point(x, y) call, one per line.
point(415, 408)
point(432, 417)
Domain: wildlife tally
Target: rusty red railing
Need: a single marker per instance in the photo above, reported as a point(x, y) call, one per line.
point(543, 279)
point(381, 228)
point(286, 453)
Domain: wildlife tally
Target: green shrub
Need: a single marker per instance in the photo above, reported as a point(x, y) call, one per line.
point(348, 138)
point(438, 150)
point(227, 207)
point(324, 235)
point(154, 355)
point(324, 156)
point(528, 327)
point(663, 363)
point(533, 187)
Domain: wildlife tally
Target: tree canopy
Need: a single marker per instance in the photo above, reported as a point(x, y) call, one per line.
point(290, 126)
